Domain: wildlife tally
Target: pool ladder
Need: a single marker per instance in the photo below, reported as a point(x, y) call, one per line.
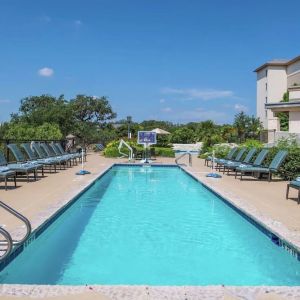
point(182, 155)
point(7, 243)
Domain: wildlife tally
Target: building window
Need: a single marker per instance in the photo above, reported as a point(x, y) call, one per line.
point(266, 73)
point(266, 113)
point(266, 86)
point(266, 99)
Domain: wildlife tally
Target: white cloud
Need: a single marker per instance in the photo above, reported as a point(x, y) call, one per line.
point(45, 19)
point(4, 101)
point(46, 72)
point(162, 100)
point(240, 107)
point(203, 94)
point(200, 114)
point(78, 23)
point(166, 109)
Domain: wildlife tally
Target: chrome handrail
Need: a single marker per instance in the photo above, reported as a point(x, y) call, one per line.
point(20, 217)
point(130, 156)
point(9, 243)
point(182, 155)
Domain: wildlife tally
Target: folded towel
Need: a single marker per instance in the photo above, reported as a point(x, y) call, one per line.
point(4, 169)
point(242, 166)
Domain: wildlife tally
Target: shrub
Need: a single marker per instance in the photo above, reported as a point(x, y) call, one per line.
point(250, 143)
point(163, 140)
point(111, 149)
point(165, 152)
point(209, 141)
point(221, 150)
point(291, 166)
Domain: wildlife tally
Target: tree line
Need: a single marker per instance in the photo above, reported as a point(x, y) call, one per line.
point(92, 119)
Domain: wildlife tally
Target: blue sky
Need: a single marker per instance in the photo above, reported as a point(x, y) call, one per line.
point(177, 60)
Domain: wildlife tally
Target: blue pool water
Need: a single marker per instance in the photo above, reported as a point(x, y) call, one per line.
point(155, 226)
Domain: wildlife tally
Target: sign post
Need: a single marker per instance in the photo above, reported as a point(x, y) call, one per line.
point(146, 138)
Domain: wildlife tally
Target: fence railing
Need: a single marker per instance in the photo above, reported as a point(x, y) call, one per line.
point(271, 137)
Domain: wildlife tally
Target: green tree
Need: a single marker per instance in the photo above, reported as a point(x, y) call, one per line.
point(152, 124)
point(284, 116)
point(92, 109)
point(241, 123)
point(246, 126)
point(228, 133)
point(206, 128)
point(254, 127)
point(183, 135)
point(37, 110)
point(90, 115)
point(24, 131)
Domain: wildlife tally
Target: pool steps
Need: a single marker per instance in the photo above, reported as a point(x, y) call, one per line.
point(6, 246)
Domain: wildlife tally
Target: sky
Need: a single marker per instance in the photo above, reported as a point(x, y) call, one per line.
point(175, 60)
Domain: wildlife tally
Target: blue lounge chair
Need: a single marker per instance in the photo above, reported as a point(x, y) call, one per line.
point(68, 156)
point(44, 152)
point(52, 153)
point(238, 158)
point(273, 167)
point(229, 156)
point(20, 158)
point(99, 147)
point(257, 162)
point(23, 168)
point(63, 152)
point(50, 162)
point(296, 185)
point(232, 165)
point(6, 173)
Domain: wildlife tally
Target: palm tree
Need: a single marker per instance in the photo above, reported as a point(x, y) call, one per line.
point(241, 121)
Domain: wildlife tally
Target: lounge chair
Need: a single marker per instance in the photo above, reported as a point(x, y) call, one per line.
point(6, 173)
point(33, 156)
point(229, 156)
point(232, 165)
point(273, 167)
point(68, 156)
point(296, 185)
point(23, 168)
point(63, 152)
point(51, 154)
point(257, 162)
point(43, 155)
point(20, 158)
point(238, 158)
point(99, 147)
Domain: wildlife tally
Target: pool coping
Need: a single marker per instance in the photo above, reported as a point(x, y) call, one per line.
point(61, 207)
point(145, 292)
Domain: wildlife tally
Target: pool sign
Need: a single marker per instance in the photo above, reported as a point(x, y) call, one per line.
point(146, 137)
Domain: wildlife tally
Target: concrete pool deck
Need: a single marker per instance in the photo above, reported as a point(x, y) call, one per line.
point(266, 201)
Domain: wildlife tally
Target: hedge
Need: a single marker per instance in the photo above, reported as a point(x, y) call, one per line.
point(111, 150)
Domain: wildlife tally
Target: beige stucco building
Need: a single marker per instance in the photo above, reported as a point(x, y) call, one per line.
point(275, 78)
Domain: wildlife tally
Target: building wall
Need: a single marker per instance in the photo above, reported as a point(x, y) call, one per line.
point(261, 94)
point(294, 94)
point(294, 121)
point(295, 78)
point(293, 73)
point(271, 85)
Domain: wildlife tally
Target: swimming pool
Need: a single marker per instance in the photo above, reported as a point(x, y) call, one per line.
point(154, 226)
